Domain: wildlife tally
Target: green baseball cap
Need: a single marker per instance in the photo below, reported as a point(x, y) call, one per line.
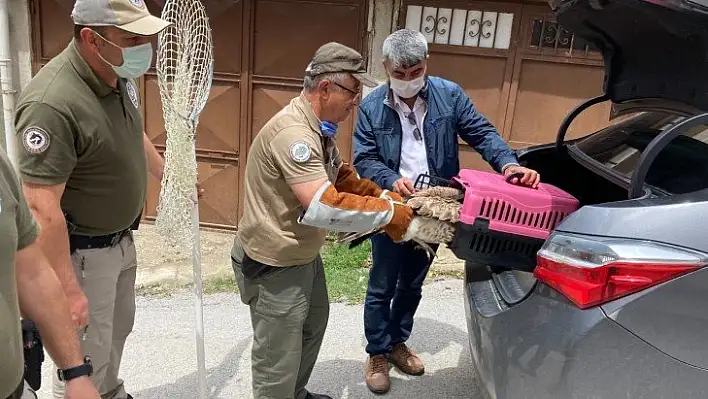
point(129, 15)
point(334, 57)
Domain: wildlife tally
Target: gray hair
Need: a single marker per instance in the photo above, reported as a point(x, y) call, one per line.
point(311, 82)
point(405, 48)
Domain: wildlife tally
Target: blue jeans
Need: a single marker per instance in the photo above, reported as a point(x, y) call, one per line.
point(394, 292)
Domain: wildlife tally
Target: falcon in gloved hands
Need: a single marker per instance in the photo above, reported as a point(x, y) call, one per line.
point(436, 210)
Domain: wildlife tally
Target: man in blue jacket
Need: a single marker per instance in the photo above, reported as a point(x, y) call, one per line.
point(406, 128)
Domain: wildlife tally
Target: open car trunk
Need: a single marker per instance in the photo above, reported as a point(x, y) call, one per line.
point(653, 50)
point(649, 47)
point(561, 170)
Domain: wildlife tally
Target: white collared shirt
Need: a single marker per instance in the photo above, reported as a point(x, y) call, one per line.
point(414, 157)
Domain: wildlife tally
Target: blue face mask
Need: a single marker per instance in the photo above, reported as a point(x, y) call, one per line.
point(136, 60)
point(328, 129)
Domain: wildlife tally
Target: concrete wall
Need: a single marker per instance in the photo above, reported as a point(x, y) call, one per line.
point(382, 17)
point(20, 50)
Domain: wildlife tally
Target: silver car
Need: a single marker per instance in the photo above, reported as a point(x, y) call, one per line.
point(612, 305)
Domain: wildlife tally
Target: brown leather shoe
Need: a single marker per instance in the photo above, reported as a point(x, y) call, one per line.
point(406, 360)
point(377, 374)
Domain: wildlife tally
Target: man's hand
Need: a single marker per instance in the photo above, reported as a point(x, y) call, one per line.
point(78, 305)
point(530, 177)
point(156, 164)
point(200, 192)
point(42, 299)
point(81, 388)
point(404, 186)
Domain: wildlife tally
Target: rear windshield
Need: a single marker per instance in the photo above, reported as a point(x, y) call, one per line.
point(681, 167)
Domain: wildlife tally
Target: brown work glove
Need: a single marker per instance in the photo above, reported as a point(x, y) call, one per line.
point(393, 196)
point(402, 217)
point(348, 181)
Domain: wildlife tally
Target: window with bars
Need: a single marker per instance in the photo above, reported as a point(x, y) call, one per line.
point(549, 36)
point(471, 28)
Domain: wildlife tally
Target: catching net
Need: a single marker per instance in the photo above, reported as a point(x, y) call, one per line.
point(184, 71)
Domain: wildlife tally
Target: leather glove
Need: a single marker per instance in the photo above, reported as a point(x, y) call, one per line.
point(393, 196)
point(429, 230)
point(348, 181)
point(400, 222)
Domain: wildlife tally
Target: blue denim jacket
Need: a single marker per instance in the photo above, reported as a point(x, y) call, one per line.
point(378, 133)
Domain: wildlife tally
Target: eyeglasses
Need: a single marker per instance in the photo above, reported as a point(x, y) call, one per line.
point(416, 131)
point(356, 93)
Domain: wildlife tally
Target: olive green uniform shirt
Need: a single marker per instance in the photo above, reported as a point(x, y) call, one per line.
point(18, 229)
point(74, 128)
point(289, 149)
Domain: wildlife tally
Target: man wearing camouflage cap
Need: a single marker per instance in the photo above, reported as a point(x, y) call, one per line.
point(296, 188)
point(84, 160)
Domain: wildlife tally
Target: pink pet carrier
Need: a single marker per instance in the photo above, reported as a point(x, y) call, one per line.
point(504, 224)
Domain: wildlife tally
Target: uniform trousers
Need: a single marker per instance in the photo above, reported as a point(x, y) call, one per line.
point(23, 391)
point(107, 277)
point(289, 314)
point(393, 293)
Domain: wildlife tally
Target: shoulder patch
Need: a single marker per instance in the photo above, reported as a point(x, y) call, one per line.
point(35, 139)
point(132, 93)
point(300, 151)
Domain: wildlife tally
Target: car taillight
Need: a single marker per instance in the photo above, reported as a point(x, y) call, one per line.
point(590, 271)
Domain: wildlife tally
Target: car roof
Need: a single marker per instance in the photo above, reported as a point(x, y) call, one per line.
point(652, 49)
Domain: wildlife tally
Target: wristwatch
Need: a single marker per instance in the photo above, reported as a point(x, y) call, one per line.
point(85, 369)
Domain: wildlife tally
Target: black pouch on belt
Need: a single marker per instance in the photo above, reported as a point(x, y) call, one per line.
point(34, 354)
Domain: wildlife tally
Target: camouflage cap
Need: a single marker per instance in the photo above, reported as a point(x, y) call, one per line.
point(335, 57)
point(129, 15)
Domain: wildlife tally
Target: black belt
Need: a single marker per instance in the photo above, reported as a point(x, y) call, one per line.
point(252, 269)
point(92, 242)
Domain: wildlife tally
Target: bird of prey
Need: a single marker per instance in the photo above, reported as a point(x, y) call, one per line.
point(436, 212)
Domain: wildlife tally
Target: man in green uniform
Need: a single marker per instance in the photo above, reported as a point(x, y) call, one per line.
point(29, 285)
point(297, 188)
point(83, 159)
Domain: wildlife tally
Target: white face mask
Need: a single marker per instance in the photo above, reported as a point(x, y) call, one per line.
point(407, 89)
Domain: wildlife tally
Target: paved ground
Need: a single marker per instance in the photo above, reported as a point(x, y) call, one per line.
point(160, 361)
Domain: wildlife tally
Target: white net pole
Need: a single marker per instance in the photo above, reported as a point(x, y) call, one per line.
point(197, 276)
point(184, 68)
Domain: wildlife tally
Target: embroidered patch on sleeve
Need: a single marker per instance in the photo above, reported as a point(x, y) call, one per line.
point(35, 140)
point(132, 93)
point(300, 152)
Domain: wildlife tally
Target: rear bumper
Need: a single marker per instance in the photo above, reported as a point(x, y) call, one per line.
point(544, 347)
